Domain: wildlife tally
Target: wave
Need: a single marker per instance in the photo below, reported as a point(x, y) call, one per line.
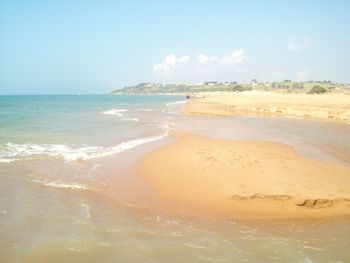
point(122, 147)
point(145, 109)
point(6, 160)
point(11, 152)
point(131, 119)
point(86, 209)
point(62, 184)
point(176, 103)
point(118, 112)
point(191, 245)
point(114, 112)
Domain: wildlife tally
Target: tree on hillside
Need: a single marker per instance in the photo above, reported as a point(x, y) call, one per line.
point(239, 88)
point(317, 89)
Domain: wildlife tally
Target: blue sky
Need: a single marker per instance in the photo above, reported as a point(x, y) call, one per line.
point(63, 47)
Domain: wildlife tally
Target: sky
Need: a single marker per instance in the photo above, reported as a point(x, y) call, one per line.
point(89, 47)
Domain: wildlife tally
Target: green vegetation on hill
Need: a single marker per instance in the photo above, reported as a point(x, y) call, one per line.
point(317, 89)
point(153, 88)
point(212, 86)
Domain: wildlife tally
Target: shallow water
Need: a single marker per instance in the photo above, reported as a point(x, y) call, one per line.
point(69, 191)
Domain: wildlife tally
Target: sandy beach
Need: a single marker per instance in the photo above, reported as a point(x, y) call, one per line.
point(253, 179)
point(321, 107)
point(170, 131)
point(247, 180)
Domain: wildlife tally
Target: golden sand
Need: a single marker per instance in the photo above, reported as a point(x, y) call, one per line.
point(246, 180)
point(323, 106)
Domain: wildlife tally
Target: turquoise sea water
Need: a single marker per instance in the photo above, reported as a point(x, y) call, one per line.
point(39, 125)
point(69, 193)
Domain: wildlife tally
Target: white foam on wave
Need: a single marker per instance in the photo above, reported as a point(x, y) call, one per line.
point(114, 112)
point(145, 109)
point(131, 119)
point(191, 245)
point(118, 113)
point(86, 209)
point(111, 150)
point(176, 103)
point(11, 151)
point(6, 160)
point(62, 184)
point(123, 146)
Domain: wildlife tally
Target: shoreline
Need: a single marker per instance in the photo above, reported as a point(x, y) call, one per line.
point(327, 107)
point(245, 180)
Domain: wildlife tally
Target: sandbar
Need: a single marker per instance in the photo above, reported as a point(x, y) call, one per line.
point(331, 106)
point(246, 179)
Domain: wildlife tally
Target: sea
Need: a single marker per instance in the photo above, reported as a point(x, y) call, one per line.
point(70, 192)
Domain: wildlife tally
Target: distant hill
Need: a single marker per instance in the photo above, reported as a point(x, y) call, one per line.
point(211, 86)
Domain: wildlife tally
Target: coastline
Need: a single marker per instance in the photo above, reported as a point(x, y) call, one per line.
point(220, 177)
point(246, 180)
point(95, 208)
point(329, 107)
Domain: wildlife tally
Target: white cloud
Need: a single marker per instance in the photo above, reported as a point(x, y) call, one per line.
point(168, 62)
point(184, 59)
point(303, 75)
point(203, 62)
point(203, 58)
point(236, 57)
point(295, 44)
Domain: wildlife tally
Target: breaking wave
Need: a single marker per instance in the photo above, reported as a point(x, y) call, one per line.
point(145, 109)
point(118, 113)
point(176, 103)
point(11, 152)
point(114, 112)
point(62, 184)
point(7, 160)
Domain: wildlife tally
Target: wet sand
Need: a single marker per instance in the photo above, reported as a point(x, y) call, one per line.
point(246, 180)
point(320, 107)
